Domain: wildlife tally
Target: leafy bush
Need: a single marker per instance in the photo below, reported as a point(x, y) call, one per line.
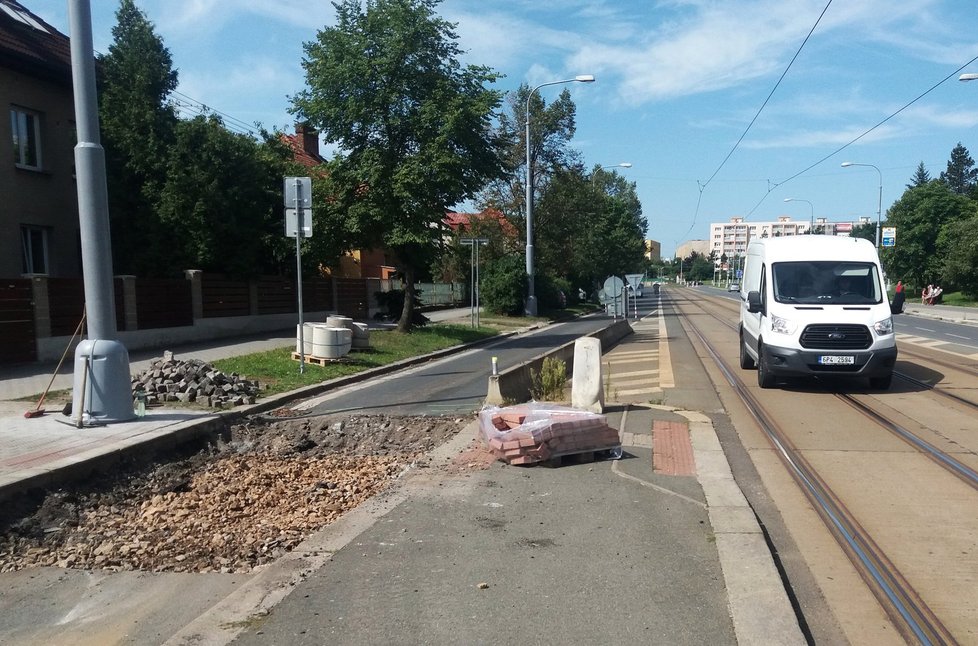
point(548, 289)
point(549, 384)
point(503, 286)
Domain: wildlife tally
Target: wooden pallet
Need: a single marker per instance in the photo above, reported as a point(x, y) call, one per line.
point(583, 457)
point(316, 361)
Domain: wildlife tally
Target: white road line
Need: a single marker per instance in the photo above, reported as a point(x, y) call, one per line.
point(925, 329)
point(958, 336)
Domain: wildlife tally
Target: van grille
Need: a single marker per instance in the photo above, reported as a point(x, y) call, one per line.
point(836, 337)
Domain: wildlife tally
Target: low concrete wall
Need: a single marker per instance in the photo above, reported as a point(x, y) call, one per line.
point(513, 384)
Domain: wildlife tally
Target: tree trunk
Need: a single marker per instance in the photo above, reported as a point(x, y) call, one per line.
point(404, 323)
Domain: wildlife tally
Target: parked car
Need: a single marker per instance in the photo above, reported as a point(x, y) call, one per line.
point(733, 287)
point(636, 292)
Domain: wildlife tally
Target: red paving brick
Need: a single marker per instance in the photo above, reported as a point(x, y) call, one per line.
point(672, 451)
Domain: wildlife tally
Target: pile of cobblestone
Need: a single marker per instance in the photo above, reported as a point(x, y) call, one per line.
point(171, 380)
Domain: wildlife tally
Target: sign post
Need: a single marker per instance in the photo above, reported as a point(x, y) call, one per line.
point(298, 198)
point(475, 243)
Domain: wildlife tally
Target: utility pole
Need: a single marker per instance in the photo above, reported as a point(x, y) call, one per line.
point(102, 391)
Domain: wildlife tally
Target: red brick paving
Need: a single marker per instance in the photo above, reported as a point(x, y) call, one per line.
point(672, 452)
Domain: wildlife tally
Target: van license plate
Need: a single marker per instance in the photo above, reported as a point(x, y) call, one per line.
point(837, 360)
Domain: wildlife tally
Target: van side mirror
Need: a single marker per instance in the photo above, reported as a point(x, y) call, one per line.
point(754, 301)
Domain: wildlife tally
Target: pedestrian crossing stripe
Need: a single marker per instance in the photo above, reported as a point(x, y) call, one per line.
point(634, 373)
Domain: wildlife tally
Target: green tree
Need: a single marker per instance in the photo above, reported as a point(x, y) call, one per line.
point(866, 231)
point(960, 243)
point(700, 267)
point(221, 200)
point(920, 216)
point(137, 126)
point(552, 128)
point(920, 176)
point(414, 125)
point(961, 175)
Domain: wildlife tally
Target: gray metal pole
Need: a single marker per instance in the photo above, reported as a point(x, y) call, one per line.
point(478, 318)
point(102, 384)
point(472, 284)
point(531, 299)
point(93, 202)
point(298, 272)
point(879, 212)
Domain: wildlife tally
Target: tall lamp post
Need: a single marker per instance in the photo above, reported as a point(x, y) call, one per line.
point(879, 208)
point(811, 227)
point(531, 299)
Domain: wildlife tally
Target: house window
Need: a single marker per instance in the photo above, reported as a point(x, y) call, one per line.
point(34, 247)
point(26, 129)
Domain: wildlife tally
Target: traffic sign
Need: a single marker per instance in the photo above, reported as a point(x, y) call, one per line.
point(298, 189)
point(292, 220)
point(889, 237)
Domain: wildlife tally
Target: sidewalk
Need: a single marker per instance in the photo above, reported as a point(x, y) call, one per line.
point(951, 313)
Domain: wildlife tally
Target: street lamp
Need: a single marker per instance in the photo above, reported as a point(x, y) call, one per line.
point(531, 299)
point(811, 228)
point(621, 165)
point(879, 208)
point(968, 77)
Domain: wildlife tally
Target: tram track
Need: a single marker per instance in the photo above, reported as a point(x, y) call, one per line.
point(914, 619)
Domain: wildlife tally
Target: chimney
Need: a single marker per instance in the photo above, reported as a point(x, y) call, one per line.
point(310, 139)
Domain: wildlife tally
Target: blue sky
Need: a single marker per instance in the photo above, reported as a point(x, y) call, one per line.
point(678, 83)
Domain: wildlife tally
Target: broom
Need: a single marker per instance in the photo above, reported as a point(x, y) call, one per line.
point(38, 411)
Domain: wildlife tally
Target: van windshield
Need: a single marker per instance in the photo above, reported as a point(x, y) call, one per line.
point(826, 282)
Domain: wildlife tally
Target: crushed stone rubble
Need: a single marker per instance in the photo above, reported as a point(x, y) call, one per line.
point(235, 505)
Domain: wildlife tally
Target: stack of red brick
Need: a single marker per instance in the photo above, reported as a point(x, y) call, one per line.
point(531, 433)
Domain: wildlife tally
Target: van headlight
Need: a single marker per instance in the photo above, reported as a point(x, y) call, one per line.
point(782, 325)
point(884, 327)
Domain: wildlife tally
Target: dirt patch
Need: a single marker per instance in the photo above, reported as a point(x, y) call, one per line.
point(238, 503)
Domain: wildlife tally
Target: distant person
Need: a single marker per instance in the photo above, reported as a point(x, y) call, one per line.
point(935, 295)
point(896, 307)
point(925, 295)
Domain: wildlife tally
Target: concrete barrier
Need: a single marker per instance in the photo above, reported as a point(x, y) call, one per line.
point(513, 384)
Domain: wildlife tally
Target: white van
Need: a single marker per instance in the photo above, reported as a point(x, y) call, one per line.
point(814, 305)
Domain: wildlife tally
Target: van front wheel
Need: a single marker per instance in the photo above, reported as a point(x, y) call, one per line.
point(764, 377)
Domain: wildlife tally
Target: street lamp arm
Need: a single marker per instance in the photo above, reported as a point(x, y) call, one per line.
point(879, 208)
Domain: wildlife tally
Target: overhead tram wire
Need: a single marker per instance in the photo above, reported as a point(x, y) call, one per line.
point(702, 187)
point(200, 108)
point(855, 139)
point(227, 118)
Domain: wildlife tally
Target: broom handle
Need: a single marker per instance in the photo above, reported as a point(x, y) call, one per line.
point(63, 355)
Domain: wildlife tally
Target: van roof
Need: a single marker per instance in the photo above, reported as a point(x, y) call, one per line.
point(814, 247)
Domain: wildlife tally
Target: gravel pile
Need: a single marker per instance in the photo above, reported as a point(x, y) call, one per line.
point(237, 504)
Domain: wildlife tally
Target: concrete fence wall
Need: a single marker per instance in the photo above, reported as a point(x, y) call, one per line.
point(513, 384)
